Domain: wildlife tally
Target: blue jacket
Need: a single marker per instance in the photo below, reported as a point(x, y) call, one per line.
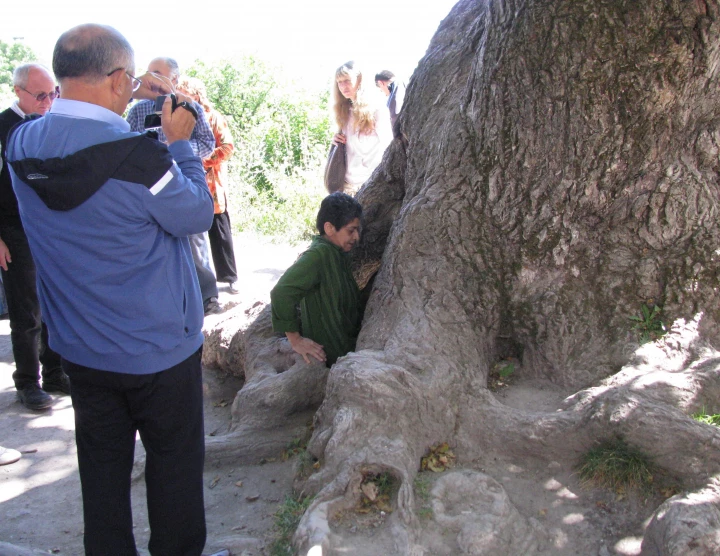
point(107, 213)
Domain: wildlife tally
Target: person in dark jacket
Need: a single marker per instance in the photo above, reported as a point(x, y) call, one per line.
point(393, 90)
point(36, 91)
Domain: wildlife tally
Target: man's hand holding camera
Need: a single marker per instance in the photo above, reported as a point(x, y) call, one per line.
point(178, 124)
point(152, 85)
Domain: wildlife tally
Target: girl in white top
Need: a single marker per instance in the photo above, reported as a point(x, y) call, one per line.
point(364, 123)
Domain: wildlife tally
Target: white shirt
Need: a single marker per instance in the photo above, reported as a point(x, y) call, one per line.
point(365, 151)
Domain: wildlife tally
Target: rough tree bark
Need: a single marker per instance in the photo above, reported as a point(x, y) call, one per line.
point(558, 168)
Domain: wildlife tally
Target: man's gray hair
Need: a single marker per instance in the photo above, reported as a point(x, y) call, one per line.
point(172, 66)
point(22, 73)
point(91, 52)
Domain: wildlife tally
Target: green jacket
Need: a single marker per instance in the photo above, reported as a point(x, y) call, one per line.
point(322, 283)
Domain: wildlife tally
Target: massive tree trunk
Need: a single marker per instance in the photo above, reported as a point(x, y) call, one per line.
point(557, 169)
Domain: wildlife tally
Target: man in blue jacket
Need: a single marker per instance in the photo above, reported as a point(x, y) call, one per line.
point(107, 212)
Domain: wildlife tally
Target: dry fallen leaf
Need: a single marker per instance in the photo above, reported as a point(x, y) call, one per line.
point(239, 484)
point(214, 482)
point(384, 506)
point(370, 490)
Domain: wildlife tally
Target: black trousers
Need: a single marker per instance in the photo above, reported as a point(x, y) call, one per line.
point(221, 244)
point(28, 333)
point(166, 408)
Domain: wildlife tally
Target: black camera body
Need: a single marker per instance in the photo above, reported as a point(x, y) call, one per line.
point(153, 120)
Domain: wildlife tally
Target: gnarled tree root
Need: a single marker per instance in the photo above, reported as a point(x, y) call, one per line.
point(379, 416)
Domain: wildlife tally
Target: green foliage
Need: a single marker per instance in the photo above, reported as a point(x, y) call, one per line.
point(501, 375)
point(422, 485)
point(385, 483)
point(305, 462)
point(282, 135)
point(287, 519)
point(287, 213)
point(11, 56)
point(648, 324)
point(506, 370)
point(618, 466)
point(703, 416)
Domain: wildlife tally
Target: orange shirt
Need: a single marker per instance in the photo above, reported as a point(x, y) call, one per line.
point(215, 165)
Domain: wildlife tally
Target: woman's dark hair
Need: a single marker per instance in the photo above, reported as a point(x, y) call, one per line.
point(339, 209)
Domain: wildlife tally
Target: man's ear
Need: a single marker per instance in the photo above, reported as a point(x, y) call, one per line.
point(329, 229)
point(117, 81)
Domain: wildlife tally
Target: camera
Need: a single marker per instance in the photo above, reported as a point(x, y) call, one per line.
point(153, 120)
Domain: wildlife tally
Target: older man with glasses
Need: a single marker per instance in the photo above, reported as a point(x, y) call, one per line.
point(202, 142)
point(36, 90)
point(109, 212)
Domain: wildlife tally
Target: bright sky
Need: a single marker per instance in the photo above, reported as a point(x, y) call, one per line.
point(309, 38)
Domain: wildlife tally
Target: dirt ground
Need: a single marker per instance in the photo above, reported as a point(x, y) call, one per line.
point(41, 510)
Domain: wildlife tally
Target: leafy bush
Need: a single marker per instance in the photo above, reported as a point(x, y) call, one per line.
point(282, 135)
point(11, 56)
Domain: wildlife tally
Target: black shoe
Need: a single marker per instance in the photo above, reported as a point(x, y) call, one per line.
point(59, 384)
point(212, 307)
point(32, 397)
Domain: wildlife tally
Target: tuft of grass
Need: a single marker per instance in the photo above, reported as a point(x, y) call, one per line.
point(618, 466)
point(385, 482)
point(501, 375)
point(425, 512)
point(287, 519)
point(648, 324)
point(422, 486)
point(703, 416)
point(506, 370)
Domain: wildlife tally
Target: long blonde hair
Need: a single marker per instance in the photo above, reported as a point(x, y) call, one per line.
point(362, 109)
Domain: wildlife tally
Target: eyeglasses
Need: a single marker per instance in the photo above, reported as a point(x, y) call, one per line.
point(135, 81)
point(41, 97)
